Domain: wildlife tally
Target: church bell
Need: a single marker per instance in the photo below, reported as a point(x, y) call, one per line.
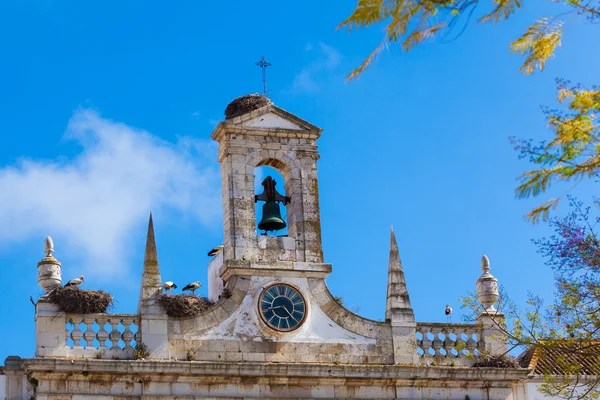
point(271, 217)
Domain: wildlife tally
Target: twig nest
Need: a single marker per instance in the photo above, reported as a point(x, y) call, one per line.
point(183, 305)
point(73, 300)
point(495, 361)
point(245, 104)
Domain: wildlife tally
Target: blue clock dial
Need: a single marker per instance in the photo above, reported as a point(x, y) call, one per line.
point(282, 307)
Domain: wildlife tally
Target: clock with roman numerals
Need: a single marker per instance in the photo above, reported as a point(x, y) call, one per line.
point(282, 307)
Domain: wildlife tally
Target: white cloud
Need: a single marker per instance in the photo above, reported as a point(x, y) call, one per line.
point(331, 57)
point(305, 82)
point(93, 201)
point(310, 78)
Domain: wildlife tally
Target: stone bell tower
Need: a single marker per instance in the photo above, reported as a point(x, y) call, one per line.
point(257, 133)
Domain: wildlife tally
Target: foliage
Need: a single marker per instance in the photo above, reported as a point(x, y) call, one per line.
point(189, 354)
point(412, 22)
point(140, 351)
point(574, 152)
point(568, 329)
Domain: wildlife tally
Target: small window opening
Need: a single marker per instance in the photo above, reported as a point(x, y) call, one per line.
point(271, 211)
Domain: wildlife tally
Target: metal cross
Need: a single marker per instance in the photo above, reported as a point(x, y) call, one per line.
point(263, 64)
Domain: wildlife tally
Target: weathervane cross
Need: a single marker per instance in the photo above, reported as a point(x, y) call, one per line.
point(263, 64)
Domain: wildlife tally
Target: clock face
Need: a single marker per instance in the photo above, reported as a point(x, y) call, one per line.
point(282, 307)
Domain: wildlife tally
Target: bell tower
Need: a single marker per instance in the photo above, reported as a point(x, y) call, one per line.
point(258, 133)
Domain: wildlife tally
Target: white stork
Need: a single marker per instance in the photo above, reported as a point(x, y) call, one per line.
point(192, 286)
point(448, 313)
point(75, 282)
point(169, 285)
point(215, 251)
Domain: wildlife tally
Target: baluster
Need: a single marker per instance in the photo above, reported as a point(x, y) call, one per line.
point(89, 335)
point(426, 343)
point(480, 342)
point(461, 343)
point(102, 334)
point(437, 342)
point(127, 334)
point(67, 331)
point(138, 335)
point(77, 334)
point(448, 342)
point(471, 343)
point(114, 335)
point(419, 341)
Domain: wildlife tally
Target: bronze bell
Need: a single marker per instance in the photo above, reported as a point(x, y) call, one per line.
point(271, 217)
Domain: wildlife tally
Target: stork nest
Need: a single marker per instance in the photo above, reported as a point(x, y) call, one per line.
point(183, 305)
point(73, 300)
point(245, 104)
point(496, 361)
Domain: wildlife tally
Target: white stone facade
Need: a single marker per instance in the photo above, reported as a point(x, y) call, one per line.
point(228, 351)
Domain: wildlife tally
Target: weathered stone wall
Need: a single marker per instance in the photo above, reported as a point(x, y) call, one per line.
point(232, 330)
point(245, 145)
point(228, 351)
point(107, 379)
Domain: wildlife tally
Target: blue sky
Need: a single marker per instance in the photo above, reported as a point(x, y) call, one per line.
point(106, 110)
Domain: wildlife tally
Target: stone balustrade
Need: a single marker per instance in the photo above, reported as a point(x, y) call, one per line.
point(103, 335)
point(449, 343)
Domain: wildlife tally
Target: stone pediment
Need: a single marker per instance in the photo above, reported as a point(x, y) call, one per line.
point(271, 117)
point(271, 120)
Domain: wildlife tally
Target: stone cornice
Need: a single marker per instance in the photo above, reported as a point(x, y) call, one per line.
point(176, 370)
point(225, 127)
point(278, 268)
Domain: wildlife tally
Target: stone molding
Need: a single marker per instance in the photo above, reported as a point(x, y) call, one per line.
point(282, 269)
point(218, 312)
point(344, 317)
point(389, 374)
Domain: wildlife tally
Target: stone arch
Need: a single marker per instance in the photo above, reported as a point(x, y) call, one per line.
point(272, 158)
point(290, 170)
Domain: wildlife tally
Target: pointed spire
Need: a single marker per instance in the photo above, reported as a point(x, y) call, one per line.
point(151, 280)
point(150, 257)
point(398, 308)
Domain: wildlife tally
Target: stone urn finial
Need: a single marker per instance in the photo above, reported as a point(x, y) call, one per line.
point(49, 269)
point(48, 246)
point(487, 287)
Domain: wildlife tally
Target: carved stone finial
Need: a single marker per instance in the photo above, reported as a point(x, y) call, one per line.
point(485, 264)
point(48, 246)
point(49, 269)
point(487, 287)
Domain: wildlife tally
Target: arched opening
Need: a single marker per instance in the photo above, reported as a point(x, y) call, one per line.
point(270, 206)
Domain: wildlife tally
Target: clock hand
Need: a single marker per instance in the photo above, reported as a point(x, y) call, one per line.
point(274, 308)
point(289, 313)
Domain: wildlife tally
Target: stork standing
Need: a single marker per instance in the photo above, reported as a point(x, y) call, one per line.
point(448, 313)
point(75, 282)
point(192, 286)
point(169, 285)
